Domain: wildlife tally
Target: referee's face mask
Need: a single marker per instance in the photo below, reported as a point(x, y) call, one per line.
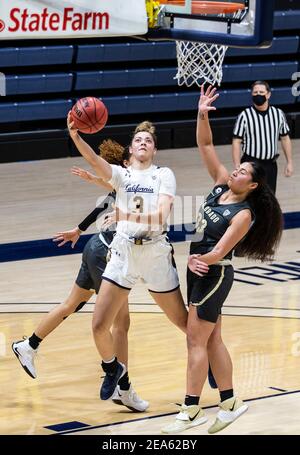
point(260, 94)
point(259, 100)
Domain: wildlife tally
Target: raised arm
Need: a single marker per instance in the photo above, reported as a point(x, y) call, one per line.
point(205, 144)
point(102, 168)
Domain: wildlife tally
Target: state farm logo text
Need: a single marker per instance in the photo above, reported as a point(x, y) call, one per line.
point(22, 20)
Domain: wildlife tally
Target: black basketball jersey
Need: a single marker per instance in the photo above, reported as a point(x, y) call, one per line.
point(213, 221)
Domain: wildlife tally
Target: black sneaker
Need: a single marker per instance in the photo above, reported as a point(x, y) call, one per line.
point(211, 379)
point(111, 381)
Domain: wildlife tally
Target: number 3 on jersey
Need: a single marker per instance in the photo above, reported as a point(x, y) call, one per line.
point(138, 204)
point(201, 223)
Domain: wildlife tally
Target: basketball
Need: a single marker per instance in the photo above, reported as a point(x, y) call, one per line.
point(89, 115)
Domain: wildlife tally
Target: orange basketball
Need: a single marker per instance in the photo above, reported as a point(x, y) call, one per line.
point(89, 115)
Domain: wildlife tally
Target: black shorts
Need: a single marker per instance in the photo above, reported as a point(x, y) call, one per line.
point(209, 292)
point(93, 264)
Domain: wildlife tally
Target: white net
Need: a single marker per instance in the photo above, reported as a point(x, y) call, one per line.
point(199, 62)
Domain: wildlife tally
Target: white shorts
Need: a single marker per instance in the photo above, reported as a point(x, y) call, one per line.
point(152, 262)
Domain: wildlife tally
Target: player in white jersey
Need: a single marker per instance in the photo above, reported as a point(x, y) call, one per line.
point(140, 249)
point(138, 191)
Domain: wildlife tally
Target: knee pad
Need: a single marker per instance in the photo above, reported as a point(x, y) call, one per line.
point(81, 305)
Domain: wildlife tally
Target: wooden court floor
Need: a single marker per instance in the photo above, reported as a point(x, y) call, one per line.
point(261, 320)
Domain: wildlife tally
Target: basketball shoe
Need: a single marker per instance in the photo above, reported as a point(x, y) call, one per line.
point(25, 354)
point(111, 380)
point(130, 399)
point(189, 416)
point(230, 410)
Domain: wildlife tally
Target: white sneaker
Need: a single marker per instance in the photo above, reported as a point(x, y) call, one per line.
point(230, 410)
point(189, 416)
point(25, 354)
point(130, 399)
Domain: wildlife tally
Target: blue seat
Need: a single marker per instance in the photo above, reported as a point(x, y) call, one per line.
point(141, 103)
point(284, 70)
point(187, 101)
point(36, 55)
point(287, 20)
point(39, 83)
point(234, 98)
point(259, 71)
point(228, 99)
point(146, 77)
point(160, 77)
point(280, 45)
point(35, 110)
point(242, 98)
point(124, 52)
point(283, 95)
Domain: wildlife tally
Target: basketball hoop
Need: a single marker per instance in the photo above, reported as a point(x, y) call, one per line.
point(199, 61)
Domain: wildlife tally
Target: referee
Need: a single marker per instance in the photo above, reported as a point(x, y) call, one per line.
point(258, 129)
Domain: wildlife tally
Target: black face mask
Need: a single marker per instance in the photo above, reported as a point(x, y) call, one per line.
point(259, 100)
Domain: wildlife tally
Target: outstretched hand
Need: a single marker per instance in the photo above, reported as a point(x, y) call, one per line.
point(82, 173)
point(206, 99)
point(67, 236)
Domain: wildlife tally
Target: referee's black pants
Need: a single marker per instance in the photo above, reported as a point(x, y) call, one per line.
point(270, 167)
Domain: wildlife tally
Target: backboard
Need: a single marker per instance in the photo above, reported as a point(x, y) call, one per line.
point(187, 20)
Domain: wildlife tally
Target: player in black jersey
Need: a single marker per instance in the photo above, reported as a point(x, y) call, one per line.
point(240, 210)
point(88, 280)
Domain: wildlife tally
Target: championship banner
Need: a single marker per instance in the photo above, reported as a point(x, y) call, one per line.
point(71, 18)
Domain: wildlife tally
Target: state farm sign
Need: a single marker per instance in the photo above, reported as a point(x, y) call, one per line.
point(22, 20)
point(54, 18)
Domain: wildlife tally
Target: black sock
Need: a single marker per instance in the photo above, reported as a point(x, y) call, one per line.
point(226, 394)
point(34, 341)
point(124, 382)
point(191, 400)
point(110, 367)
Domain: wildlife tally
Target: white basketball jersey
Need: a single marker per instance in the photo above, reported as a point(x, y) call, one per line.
point(138, 192)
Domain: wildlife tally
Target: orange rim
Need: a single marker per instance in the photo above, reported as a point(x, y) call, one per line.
point(200, 7)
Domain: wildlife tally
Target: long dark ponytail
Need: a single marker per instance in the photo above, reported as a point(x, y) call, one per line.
point(264, 236)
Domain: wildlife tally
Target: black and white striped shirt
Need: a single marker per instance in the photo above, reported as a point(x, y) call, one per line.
point(260, 131)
